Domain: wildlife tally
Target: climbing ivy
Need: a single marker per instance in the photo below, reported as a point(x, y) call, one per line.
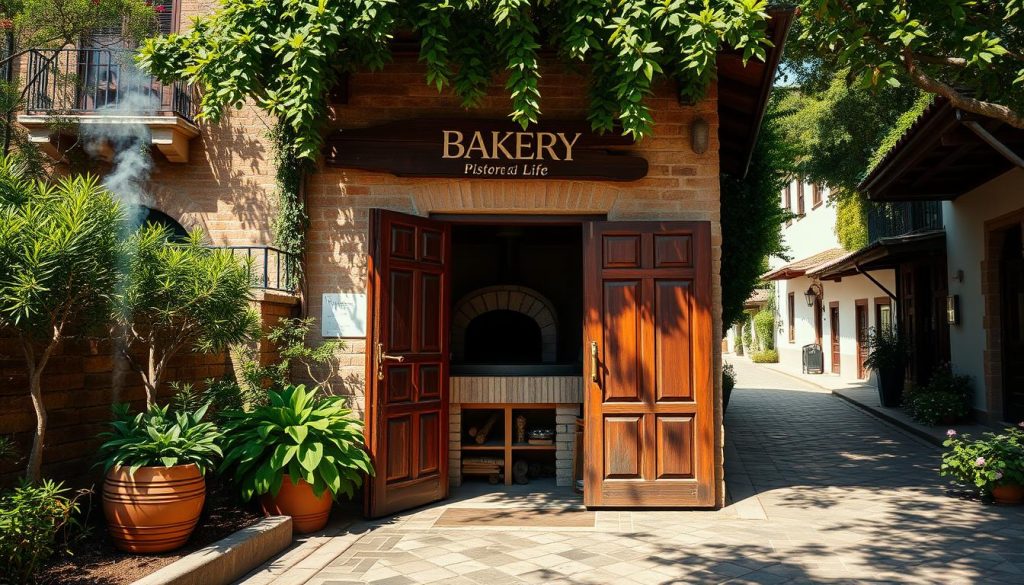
point(292, 220)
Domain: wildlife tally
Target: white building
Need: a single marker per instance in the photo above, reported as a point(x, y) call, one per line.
point(972, 167)
point(831, 312)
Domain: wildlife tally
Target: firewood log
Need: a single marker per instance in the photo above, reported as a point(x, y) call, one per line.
point(481, 433)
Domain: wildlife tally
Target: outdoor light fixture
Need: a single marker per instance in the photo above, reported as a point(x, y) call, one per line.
point(953, 309)
point(813, 292)
point(699, 134)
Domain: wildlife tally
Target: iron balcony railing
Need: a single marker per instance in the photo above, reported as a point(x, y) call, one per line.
point(272, 268)
point(886, 220)
point(89, 81)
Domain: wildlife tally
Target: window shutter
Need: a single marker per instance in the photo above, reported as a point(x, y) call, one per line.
point(165, 15)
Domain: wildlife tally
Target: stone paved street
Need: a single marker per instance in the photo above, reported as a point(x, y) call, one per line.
point(819, 492)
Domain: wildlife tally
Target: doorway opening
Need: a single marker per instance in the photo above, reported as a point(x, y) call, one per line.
point(516, 364)
point(517, 300)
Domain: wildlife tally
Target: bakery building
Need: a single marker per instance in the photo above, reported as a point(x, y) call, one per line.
point(514, 303)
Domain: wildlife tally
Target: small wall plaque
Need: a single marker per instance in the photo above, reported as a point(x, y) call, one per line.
point(343, 315)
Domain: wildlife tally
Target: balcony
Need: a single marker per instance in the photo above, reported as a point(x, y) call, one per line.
point(78, 87)
point(273, 269)
point(886, 220)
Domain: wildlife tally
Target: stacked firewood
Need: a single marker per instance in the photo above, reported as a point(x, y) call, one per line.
point(489, 466)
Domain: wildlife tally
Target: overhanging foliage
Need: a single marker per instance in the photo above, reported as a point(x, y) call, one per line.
point(286, 54)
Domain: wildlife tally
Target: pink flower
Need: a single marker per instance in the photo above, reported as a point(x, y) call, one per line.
point(1021, 424)
point(160, 8)
point(979, 462)
point(999, 475)
point(951, 433)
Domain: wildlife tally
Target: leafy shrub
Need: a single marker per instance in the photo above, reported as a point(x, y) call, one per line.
point(946, 397)
point(36, 520)
point(764, 326)
point(993, 460)
point(768, 356)
point(299, 434)
point(158, 438)
point(289, 337)
point(888, 350)
point(221, 394)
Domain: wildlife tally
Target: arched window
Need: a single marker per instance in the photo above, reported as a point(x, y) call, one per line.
point(148, 215)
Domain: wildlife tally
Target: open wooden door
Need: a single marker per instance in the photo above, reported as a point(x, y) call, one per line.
point(649, 430)
point(407, 361)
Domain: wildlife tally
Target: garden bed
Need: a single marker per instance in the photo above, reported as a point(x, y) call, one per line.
point(95, 561)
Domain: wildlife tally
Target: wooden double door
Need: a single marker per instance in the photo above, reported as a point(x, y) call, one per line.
point(648, 371)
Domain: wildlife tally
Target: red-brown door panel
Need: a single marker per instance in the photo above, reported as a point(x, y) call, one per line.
point(649, 391)
point(407, 361)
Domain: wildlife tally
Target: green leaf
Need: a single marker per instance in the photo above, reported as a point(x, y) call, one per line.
point(298, 433)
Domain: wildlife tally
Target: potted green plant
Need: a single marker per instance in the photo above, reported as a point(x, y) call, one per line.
point(994, 464)
point(155, 485)
point(887, 356)
point(298, 452)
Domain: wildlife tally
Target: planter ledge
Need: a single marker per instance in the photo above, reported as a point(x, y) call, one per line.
point(229, 558)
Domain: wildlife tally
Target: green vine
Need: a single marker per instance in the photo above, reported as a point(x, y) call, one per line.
point(291, 221)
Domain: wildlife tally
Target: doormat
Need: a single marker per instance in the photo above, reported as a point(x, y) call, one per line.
point(516, 517)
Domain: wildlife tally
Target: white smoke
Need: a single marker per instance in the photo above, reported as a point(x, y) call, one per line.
point(116, 132)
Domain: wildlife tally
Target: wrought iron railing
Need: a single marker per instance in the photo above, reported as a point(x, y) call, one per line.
point(887, 220)
point(272, 268)
point(89, 81)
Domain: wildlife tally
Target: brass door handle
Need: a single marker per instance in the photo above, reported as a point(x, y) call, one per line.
point(383, 357)
point(593, 361)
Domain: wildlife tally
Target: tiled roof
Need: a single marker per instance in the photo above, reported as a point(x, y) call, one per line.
point(758, 297)
point(800, 267)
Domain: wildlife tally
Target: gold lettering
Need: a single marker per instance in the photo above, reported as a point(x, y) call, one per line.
point(550, 139)
point(449, 143)
point(497, 144)
point(523, 145)
point(569, 145)
point(477, 143)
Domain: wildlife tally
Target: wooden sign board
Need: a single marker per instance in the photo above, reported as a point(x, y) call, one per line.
point(486, 149)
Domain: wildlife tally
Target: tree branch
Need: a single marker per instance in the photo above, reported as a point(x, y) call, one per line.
point(959, 100)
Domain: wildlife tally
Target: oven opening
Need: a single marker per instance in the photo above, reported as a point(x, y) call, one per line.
point(517, 300)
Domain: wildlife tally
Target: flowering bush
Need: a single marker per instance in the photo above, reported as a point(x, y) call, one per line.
point(993, 460)
point(945, 398)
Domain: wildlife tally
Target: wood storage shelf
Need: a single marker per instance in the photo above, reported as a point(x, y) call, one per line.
point(501, 435)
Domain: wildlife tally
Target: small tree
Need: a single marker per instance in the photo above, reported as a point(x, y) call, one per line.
point(58, 246)
point(176, 296)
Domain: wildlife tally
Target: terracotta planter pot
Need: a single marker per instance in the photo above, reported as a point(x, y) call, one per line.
point(309, 513)
point(154, 510)
point(1008, 494)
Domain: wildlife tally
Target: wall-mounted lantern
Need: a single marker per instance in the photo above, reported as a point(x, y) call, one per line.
point(813, 292)
point(700, 134)
point(953, 309)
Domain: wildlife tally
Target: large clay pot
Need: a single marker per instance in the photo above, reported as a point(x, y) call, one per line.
point(1008, 494)
point(309, 513)
point(155, 509)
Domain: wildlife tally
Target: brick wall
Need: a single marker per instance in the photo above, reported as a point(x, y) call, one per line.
point(81, 382)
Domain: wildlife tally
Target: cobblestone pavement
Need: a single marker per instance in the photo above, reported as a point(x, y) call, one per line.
point(818, 490)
